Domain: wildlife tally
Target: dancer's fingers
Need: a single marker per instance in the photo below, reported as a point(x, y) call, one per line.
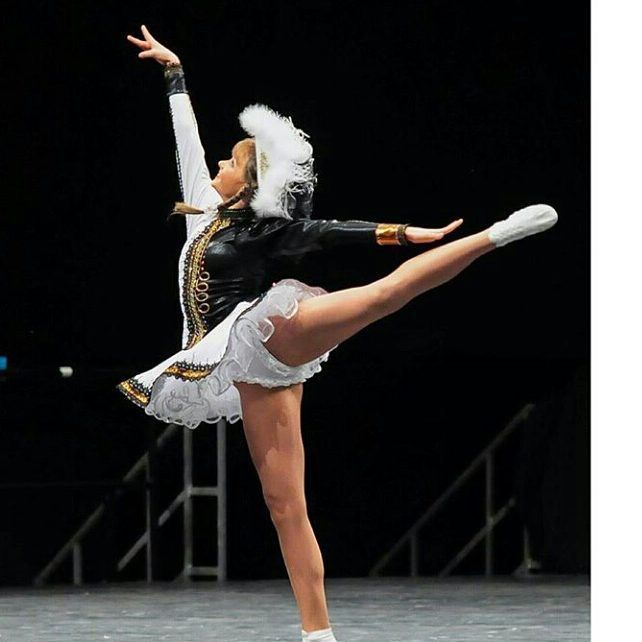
point(444, 230)
point(143, 44)
point(451, 226)
point(148, 36)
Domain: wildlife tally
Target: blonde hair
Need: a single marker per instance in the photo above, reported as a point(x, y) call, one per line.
point(245, 193)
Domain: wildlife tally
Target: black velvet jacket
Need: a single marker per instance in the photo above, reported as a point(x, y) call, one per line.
point(237, 257)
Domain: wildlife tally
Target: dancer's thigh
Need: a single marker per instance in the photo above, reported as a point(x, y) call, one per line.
point(324, 321)
point(272, 427)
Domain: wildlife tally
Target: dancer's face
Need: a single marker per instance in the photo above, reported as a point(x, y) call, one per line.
point(231, 175)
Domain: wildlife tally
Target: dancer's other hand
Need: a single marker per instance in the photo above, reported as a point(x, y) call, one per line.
point(428, 235)
point(151, 48)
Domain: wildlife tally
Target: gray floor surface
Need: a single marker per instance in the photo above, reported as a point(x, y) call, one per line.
point(462, 609)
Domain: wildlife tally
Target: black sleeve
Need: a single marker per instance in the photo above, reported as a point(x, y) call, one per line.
point(308, 235)
point(174, 80)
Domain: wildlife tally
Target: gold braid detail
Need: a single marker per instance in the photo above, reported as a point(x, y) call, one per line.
point(134, 392)
point(188, 373)
point(195, 256)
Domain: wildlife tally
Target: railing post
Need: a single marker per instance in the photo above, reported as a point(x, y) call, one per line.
point(77, 563)
point(221, 476)
point(149, 525)
point(528, 560)
point(414, 554)
point(486, 457)
point(151, 502)
point(105, 512)
point(489, 514)
point(188, 525)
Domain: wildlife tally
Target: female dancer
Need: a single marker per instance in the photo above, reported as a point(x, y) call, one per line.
point(248, 347)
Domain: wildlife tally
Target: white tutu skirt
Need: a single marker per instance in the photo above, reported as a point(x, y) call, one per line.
point(195, 385)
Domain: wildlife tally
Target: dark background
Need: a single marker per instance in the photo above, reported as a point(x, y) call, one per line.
point(418, 112)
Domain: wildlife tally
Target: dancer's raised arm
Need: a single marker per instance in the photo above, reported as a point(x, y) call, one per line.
point(193, 173)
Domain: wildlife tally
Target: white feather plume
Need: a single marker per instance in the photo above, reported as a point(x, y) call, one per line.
point(276, 133)
point(289, 160)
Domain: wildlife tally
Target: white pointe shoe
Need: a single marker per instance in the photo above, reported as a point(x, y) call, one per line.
point(320, 635)
point(529, 220)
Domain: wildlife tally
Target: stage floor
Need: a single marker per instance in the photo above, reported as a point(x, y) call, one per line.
point(462, 609)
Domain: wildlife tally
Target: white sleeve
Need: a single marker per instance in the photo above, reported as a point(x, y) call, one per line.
point(193, 174)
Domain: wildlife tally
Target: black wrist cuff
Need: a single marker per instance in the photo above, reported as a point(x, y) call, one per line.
point(174, 79)
point(401, 234)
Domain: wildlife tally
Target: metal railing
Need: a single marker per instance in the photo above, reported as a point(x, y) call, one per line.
point(492, 517)
point(74, 546)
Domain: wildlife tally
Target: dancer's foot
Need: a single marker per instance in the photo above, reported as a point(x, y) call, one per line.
point(524, 222)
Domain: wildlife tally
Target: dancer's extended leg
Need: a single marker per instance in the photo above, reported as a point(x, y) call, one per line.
point(272, 425)
point(325, 321)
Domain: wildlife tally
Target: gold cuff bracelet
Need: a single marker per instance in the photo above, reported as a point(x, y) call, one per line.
point(391, 234)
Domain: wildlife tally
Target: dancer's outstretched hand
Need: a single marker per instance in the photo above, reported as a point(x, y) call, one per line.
point(428, 235)
point(151, 48)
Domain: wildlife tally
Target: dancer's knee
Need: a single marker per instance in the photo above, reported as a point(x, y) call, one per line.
point(284, 506)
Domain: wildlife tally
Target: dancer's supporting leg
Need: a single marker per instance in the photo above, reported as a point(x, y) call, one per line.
point(325, 321)
point(272, 425)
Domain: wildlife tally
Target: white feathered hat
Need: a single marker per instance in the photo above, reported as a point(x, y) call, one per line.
point(284, 164)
